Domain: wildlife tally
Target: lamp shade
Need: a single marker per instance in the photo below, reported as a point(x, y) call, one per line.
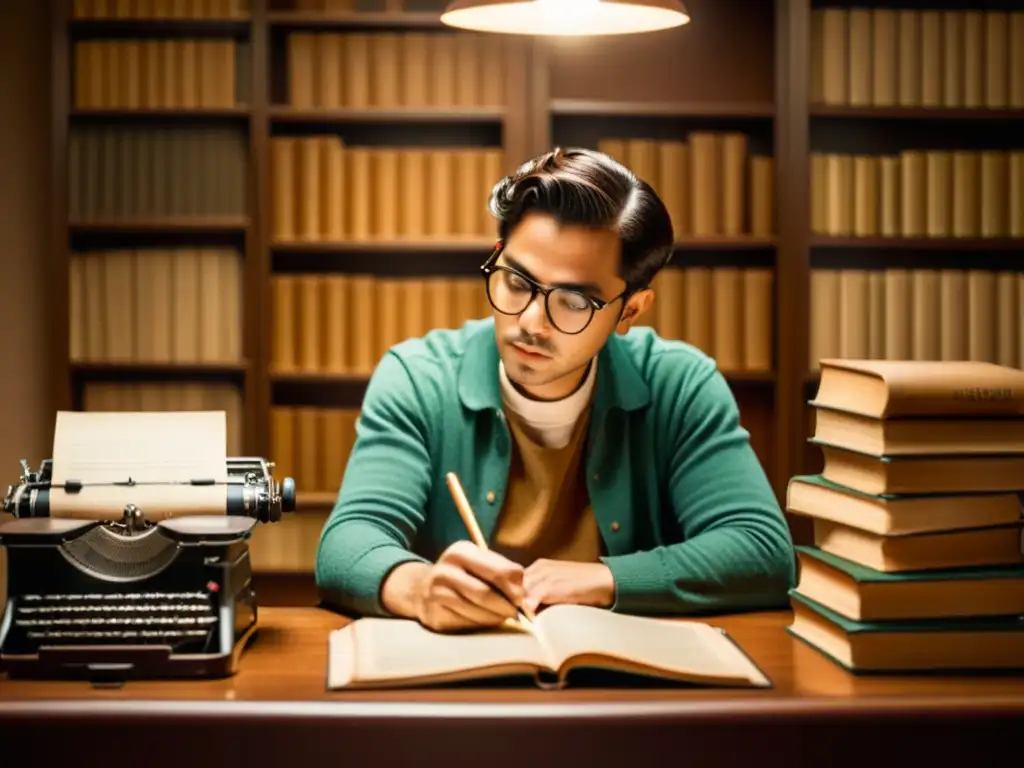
point(565, 17)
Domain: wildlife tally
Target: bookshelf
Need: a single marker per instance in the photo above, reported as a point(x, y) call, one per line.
point(917, 183)
point(290, 168)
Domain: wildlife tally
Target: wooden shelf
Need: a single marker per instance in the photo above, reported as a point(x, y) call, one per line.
point(317, 377)
point(412, 245)
point(356, 19)
point(661, 109)
point(284, 114)
point(726, 243)
point(916, 113)
point(140, 370)
point(161, 113)
point(163, 224)
point(233, 25)
point(921, 243)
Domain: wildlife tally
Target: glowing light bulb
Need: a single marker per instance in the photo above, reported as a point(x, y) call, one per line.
point(565, 17)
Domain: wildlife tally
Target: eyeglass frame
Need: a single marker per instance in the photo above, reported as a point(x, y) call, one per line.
point(488, 268)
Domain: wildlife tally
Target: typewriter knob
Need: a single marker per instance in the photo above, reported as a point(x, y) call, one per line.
point(287, 494)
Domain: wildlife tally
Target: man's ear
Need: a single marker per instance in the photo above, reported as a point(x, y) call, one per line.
point(639, 303)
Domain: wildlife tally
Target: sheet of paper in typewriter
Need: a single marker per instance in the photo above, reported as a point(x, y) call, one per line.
point(149, 459)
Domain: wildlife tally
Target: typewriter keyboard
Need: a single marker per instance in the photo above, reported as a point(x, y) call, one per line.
point(127, 616)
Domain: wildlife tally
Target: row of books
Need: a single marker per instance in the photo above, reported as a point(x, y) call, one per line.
point(709, 181)
point(342, 324)
point(179, 73)
point(324, 190)
point(727, 312)
point(917, 314)
point(184, 305)
point(392, 70)
point(176, 305)
point(126, 171)
point(916, 562)
point(918, 193)
point(312, 444)
point(123, 396)
point(971, 58)
point(164, 9)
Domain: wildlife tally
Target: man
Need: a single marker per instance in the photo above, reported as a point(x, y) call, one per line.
point(605, 465)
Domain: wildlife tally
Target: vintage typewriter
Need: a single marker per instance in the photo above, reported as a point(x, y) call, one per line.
point(132, 596)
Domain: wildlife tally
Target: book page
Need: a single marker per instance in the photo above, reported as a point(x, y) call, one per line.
point(379, 651)
point(687, 650)
point(160, 453)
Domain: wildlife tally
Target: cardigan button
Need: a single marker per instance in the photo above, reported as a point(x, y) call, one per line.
point(615, 525)
point(490, 497)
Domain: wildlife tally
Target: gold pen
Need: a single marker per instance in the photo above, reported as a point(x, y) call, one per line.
point(466, 512)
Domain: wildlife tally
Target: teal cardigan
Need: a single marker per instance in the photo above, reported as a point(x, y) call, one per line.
point(689, 520)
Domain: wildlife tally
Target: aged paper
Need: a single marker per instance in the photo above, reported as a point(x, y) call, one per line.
point(143, 458)
point(374, 652)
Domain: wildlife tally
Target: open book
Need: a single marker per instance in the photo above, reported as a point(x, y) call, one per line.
point(394, 653)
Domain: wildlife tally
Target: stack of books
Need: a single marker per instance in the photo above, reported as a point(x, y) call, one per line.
point(917, 560)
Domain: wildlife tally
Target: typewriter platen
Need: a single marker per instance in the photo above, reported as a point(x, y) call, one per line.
point(129, 597)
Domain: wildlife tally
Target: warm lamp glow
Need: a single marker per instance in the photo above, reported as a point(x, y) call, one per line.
point(565, 17)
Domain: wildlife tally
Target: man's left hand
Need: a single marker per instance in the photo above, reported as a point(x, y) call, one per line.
point(549, 582)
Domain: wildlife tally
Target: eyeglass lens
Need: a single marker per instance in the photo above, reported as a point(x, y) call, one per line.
point(510, 294)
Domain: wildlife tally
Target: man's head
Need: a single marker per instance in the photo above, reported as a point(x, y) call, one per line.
point(578, 221)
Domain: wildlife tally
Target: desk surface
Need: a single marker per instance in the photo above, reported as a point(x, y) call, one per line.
point(279, 698)
point(287, 661)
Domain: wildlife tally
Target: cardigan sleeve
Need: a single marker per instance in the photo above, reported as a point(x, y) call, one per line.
point(383, 494)
point(737, 552)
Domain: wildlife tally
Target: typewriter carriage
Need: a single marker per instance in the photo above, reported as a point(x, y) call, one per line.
point(252, 491)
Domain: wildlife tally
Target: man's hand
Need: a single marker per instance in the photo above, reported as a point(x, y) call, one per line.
point(467, 587)
point(558, 581)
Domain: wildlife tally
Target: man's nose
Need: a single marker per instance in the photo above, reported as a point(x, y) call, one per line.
point(534, 319)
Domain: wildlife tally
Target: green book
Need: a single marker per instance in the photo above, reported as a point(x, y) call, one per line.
point(966, 644)
point(863, 574)
point(860, 593)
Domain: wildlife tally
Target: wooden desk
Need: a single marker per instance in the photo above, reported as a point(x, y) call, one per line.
point(276, 711)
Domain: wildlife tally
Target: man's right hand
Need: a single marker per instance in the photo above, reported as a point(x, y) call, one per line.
point(467, 587)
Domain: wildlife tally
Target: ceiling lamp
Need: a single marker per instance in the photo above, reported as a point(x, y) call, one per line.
point(565, 17)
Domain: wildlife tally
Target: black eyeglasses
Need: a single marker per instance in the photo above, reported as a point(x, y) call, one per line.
point(511, 292)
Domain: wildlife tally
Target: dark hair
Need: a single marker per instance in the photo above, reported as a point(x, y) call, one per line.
point(587, 188)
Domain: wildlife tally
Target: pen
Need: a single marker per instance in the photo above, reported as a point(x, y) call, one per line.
point(466, 512)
